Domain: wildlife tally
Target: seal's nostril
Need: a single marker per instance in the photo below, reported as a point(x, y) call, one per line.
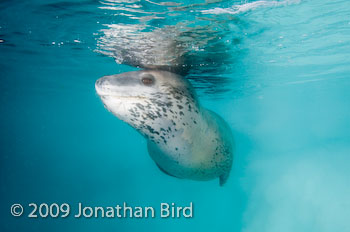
point(102, 85)
point(101, 81)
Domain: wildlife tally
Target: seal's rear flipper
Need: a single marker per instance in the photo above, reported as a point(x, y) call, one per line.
point(223, 178)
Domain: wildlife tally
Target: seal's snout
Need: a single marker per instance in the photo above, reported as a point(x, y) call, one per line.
point(101, 85)
point(112, 85)
point(99, 82)
point(103, 81)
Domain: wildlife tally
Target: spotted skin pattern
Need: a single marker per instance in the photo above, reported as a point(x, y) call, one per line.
point(184, 139)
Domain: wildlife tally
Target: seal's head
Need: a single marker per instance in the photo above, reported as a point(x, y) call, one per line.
point(149, 100)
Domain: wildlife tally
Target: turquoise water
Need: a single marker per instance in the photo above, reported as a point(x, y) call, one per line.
point(277, 71)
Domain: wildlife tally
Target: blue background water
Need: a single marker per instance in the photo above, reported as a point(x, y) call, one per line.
point(287, 104)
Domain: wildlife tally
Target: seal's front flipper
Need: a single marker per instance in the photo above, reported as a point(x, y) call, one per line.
point(165, 171)
point(223, 178)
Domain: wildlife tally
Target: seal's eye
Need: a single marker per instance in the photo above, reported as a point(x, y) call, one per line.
point(147, 79)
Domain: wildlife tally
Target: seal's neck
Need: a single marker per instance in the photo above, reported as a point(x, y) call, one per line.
point(163, 123)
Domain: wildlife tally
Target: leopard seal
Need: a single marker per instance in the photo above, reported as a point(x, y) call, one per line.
point(184, 139)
